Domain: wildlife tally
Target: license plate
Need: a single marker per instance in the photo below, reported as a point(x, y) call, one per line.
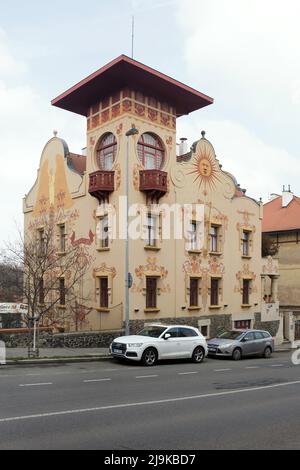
point(212, 350)
point(117, 351)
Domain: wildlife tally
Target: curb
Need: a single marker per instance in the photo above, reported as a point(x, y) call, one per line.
point(64, 360)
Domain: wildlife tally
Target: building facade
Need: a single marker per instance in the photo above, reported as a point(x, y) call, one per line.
point(281, 225)
point(211, 277)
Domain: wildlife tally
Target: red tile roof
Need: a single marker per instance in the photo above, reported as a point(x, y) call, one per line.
point(278, 219)
point(77, 163)
point(123, 72)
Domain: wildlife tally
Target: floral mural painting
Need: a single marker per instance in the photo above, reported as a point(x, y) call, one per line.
point(105, 270)
point(193, 266)
point(82, 241)
point(151, 269)
point(246, 273)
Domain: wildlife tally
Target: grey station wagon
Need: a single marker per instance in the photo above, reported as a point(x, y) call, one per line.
point(241, 343)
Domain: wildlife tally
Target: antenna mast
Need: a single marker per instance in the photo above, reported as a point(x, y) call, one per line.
point(132, 43)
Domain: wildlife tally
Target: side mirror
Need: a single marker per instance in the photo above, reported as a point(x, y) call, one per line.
point(245, 340)
point(167, 336)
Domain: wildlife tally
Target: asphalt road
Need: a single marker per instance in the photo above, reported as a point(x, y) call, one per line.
point(220, 404)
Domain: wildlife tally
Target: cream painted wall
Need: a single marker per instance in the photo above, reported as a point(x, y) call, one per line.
point(217, 191)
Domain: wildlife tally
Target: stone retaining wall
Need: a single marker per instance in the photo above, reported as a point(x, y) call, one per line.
point(62, 340)
point(271, 326)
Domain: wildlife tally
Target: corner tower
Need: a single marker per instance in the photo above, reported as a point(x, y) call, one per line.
point(121, 94)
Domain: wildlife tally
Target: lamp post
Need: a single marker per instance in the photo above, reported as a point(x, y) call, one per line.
point(131, 132)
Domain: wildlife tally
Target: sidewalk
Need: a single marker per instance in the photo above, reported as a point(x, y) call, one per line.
point(53, 355)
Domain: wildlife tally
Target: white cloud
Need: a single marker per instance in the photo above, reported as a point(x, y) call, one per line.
point(260, 168)
point(8, 65)
point(26, 123)
point(245, 55)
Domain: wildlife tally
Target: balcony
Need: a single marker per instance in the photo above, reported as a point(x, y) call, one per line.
point(102, 183)
point(154, 183)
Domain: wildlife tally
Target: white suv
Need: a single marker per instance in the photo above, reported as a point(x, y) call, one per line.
point(161, 342)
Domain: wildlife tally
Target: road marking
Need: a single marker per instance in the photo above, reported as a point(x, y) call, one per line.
point(97, 380)
point(146, 376)
point(146, 403)
point(33, 375)
point(252, 367)
point(35, 385)
point(188, 373)
point(277, 365)
point(222, 370)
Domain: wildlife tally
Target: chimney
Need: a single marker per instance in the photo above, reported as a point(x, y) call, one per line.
point(287, 196)
point(183, 146)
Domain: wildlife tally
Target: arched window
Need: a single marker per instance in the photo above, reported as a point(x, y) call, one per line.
point(151, 152)
point(106, 152)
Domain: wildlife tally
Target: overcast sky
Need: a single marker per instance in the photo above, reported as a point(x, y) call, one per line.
point(243, 53)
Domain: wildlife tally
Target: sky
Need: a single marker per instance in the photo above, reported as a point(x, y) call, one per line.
point(243, 53)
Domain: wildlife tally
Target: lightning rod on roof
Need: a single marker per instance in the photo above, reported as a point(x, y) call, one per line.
point(132, 38)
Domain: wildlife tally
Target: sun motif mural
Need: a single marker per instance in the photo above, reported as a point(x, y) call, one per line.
point(204, 166)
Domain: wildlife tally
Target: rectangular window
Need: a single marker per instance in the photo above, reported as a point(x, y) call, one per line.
point(62, 292)
point(103, 292)
point(151, 292)
point(194, 292)
point(194, 236)
point(104, 232)
point(41, 292)
point(62, 238)
point(214, 292)
point(242, 324)
point(214, 232)
point(246, 243)
point(41, 242)
point(246, 292)
point(151, 230)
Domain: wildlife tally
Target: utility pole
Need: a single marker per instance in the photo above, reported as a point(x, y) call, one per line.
point(130, 133)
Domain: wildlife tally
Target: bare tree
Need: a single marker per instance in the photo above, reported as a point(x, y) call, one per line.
point(52, 276)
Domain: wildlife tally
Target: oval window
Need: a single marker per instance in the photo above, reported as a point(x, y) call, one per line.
point(151, 152)
point(106, 152)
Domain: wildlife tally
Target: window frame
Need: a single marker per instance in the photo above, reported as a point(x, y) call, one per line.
point(103, 292)
point(62, 238)
point(194, 292)
point(101, 159)
point(159, 151)
point(246, 236)
point(214, 292)
point(104, 241)
point(214, 239)
point(246, 291)
point(151, 293)
point(62, 292)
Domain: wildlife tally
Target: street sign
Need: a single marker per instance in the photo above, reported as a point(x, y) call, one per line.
point(9, 308)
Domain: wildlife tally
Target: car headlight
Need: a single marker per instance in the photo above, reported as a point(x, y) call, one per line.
point(135, 345)
point(225, 346)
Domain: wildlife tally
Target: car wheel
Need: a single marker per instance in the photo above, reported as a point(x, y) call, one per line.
point(149, 357)
point(267, 353)
point(198, 355)
point(237, 355)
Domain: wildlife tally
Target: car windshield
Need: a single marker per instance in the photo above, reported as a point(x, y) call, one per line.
point(152, 331)
point(234, 335)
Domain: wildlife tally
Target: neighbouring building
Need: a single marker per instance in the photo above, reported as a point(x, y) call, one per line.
point(211, 279)
point(281, 225)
